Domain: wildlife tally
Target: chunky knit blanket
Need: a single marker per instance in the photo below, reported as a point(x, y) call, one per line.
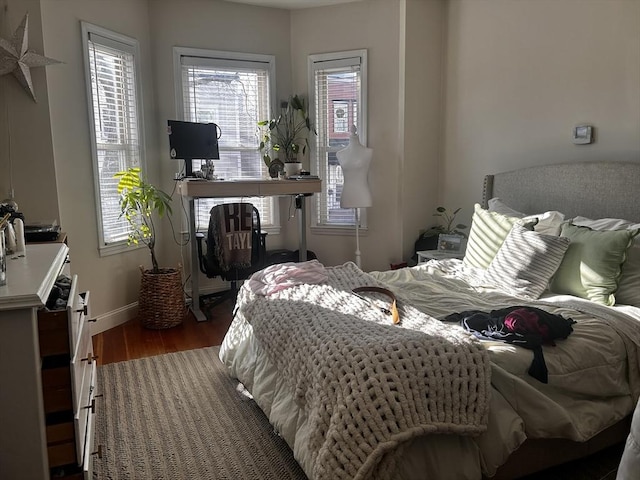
point(367, 386)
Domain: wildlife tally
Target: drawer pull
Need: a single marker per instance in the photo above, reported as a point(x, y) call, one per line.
point(98, 452)
point(92, 319)
point(89, 359)
point(91, 407)
point(83, 310)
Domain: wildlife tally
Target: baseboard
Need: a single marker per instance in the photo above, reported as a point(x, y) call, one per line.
point(114, 318)
point(129, 312)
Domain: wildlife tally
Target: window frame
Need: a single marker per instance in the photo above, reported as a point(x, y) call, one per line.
point(129, 45)
point(343, 58)
point(227, 59)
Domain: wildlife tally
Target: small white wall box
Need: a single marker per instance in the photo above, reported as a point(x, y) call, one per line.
point(582, 134)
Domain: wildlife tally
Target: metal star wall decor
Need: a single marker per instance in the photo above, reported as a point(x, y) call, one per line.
point(15, 57)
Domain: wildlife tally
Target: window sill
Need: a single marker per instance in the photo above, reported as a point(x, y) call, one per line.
point(116, 248)
point(344, 230)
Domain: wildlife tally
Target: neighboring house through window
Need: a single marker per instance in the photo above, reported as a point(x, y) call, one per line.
point(117, 141)
point(338, 96)
point(234, 91)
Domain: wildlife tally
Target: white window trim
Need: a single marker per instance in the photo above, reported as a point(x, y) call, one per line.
point(125, 43)
point(234, 58)
point(336, 58)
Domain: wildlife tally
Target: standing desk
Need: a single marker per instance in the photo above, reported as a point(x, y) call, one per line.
point(198, 188)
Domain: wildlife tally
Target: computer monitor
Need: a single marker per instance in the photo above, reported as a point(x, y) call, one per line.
point(192, 141)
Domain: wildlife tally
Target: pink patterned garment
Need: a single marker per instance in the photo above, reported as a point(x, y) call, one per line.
point(284, 275)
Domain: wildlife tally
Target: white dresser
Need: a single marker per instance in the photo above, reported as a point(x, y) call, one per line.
point(47, 372)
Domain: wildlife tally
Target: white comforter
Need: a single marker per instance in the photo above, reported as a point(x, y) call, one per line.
point(593, 375)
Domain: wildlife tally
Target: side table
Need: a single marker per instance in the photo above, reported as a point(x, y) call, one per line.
point(426, 255)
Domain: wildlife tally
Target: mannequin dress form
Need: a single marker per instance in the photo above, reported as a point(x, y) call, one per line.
point(355, 160)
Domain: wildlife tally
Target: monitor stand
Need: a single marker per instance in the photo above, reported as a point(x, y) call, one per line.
point(188, 167)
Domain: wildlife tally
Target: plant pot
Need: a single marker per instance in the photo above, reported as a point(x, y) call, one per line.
point(161, 300)
point(292, 168)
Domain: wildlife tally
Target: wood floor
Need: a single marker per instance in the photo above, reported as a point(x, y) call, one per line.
point(131, 340)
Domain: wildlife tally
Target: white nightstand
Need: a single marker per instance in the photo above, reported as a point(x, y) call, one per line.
point(426, 255)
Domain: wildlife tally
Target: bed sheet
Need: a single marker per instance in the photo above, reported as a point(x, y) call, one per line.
point(593, 374)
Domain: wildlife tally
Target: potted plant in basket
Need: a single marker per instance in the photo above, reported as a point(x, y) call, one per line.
point(286, 136)
point(161, 302)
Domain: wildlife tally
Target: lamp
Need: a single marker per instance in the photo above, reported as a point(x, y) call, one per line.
point(355, 160)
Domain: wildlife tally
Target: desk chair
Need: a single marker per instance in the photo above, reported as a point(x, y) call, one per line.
point(228, 254)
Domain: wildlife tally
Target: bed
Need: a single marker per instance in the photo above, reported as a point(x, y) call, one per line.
point(357, 397)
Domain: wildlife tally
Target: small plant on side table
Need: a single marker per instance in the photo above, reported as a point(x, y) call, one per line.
point(428, 240)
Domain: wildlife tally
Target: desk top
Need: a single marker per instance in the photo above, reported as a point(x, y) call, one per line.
point(247, 188)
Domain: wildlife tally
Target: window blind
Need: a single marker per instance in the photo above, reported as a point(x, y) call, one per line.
point(235, 95)
point(118, 143)
point(337, 100)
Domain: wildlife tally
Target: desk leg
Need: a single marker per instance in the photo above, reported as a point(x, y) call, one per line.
point(302, 227)
point(195, 271)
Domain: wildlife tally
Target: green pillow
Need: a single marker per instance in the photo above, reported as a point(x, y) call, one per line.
point(487, 234)
point(592, 264)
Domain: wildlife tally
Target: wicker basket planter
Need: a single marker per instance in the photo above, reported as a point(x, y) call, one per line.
point(161, 301)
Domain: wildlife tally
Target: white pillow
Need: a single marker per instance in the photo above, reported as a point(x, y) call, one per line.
point(549, 223)
point(628, 292)
point(526, 262)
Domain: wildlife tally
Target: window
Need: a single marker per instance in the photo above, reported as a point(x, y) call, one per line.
point(338, 86)
point(112, 77)
point(232, 90)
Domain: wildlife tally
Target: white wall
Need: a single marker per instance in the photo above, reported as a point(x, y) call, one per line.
point(518, 75)
point(421, 117)
point(25, 128)
point(403, 40)
point(213, 25)
point(114, 280)
point(521, 74)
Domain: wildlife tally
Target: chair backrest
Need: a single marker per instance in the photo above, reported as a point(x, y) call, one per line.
point(235, 245)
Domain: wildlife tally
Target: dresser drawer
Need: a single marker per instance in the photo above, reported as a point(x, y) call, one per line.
point(88, 447)
point(86, 410)
point(61, 454)
point(58, 329)
point(81, 363)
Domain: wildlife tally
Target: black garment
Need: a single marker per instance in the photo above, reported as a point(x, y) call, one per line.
point(491, 326)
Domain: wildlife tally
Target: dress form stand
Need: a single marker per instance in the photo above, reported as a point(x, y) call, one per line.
point(357, 212)
point(355, 160)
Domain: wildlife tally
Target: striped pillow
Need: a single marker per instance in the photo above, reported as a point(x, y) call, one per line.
point(488, 231)
point(526, 262)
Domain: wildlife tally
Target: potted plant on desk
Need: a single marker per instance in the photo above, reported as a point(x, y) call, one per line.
point(161, 301)
point(286, 136)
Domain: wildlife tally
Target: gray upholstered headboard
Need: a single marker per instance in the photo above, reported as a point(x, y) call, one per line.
point(589, 189)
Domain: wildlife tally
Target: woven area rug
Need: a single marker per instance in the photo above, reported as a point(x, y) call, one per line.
point(180, 416)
